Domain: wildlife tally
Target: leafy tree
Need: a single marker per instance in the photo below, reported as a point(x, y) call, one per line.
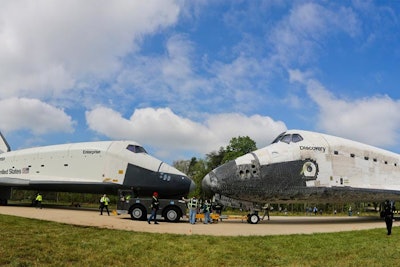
point(214, 159)
point(182, 165)
point(199, 170)
point(196, 169)
point(238, 146)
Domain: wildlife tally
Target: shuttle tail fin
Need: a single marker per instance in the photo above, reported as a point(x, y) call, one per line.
point(4, 146)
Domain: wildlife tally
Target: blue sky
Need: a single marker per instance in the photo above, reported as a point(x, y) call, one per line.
point(184, 77)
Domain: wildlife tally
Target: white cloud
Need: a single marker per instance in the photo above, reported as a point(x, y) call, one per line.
point(170, 75)
point(179, 77)
point(297, 38)
point(296, 75)
point(373, 120)
point(33, 115)
point(261, 129)
point(166, 131)
point(239, 72)
point(179, 50)
point(47, 47)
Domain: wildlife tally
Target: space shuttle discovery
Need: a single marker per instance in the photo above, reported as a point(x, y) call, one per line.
point(91, 167)
point(303, 166)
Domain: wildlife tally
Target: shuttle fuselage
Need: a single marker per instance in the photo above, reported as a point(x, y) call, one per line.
point(92, 167)
point(302, 166)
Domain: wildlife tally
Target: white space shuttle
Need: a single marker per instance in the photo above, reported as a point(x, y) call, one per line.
point(92, 167)
point(302, 166)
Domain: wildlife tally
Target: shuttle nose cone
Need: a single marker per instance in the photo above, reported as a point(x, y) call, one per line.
point(206, 184)
point(216, 180)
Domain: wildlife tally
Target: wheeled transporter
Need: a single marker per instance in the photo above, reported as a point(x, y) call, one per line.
point(172, 210)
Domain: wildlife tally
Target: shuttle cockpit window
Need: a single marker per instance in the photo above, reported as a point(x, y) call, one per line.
point(296, 138)
point(136, 149)
point(287, 138)
point(278, 138)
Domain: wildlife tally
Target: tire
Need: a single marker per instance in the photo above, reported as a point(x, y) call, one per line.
point(172, 214)
point(253, 218)
point(138, 212)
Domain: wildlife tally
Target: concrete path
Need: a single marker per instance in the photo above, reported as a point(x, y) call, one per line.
point(278, 225)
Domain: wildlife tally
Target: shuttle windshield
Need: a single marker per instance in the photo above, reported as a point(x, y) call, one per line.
point(136, 149)
point(278, 138)
point(287, 138)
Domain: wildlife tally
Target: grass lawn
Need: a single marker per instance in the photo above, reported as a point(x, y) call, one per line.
point(29, 242)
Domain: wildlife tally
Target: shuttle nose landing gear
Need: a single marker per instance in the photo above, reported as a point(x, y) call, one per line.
point(253, 218)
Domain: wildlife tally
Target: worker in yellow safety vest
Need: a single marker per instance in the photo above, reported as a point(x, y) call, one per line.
point(38, 200)
point(104, 201)
point(192, 205)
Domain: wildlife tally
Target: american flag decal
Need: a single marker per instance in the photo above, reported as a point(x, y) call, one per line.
point(25, 170)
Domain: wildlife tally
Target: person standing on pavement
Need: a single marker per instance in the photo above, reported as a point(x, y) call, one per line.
point(192, 205)
point(155, 205)
point(39, 200)
point(207, 211)
point(104, 201)
point(388, 211)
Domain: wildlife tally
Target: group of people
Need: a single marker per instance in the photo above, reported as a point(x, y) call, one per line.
point(195, 205)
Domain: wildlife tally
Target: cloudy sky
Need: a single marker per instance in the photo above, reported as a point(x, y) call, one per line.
point(184, 77)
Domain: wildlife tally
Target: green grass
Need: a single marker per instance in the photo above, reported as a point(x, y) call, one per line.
point(29, 242)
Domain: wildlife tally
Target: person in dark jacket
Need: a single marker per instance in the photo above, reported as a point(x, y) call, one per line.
point(155, 205)
point(388, 215)
point(207, 211)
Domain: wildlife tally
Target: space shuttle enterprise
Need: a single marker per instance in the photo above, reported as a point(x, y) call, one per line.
point(303, 166)
point(91, 167)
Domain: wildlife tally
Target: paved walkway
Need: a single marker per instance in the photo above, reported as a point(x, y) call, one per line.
point(278, 225)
